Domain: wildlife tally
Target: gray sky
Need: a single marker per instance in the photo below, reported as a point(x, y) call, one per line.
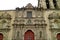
point(12, 4)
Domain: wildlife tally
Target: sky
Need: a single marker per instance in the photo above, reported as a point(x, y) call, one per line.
point(12, 4)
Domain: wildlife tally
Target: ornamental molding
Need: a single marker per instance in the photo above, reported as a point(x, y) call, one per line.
point(54, 15)
point(4, 29)
point(5, 16)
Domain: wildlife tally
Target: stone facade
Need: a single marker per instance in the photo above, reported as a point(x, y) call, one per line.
point(44, 23)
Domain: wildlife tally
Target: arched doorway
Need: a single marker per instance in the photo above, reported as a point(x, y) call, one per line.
point(58, 36)
point(29, 35)
point(1, 36)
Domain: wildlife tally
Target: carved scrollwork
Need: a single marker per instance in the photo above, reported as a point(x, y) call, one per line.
point(54, 16)
point(5, 23)
point(5, 20)
point(54, 20)
point(5, 16)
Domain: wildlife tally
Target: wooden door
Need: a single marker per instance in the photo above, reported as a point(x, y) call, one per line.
point(29, 35)
point(58, 36)
point(1, 36)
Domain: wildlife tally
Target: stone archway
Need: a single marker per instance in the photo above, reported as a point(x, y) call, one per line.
point(29, 35)
point(58, 36)
point(1, 36)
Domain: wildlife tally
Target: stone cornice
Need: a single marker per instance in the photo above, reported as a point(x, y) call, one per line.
point(34, 8)
point(4, 29)
point(54, 29)
point(40, 25)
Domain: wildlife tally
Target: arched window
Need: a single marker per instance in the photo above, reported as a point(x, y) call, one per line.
point(47, 4)
point(1, 36)
point(58, 36)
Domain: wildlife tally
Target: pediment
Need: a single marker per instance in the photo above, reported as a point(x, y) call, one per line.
point(29, 5)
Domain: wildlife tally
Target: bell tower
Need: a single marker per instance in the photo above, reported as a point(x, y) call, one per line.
point(42, 4)
point(48, 4)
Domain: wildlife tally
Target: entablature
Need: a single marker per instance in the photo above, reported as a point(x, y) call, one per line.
point(30, 22)
point(4, 29)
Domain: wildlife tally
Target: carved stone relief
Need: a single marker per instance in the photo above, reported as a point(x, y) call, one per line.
point(54, 20)
point(5, 20)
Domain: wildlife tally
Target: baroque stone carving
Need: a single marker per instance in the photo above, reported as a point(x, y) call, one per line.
point(54, 20)
point(5, 20)
point(5, 16)
point(54, 16)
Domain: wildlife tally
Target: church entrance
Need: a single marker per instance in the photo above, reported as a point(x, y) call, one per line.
point(29, 35)
point(58, 36)
point(1, 36)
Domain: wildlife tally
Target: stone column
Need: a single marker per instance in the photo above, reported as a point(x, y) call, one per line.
point(58, 3)
point(51, 4)
point(44, 4)
point(40, 3)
